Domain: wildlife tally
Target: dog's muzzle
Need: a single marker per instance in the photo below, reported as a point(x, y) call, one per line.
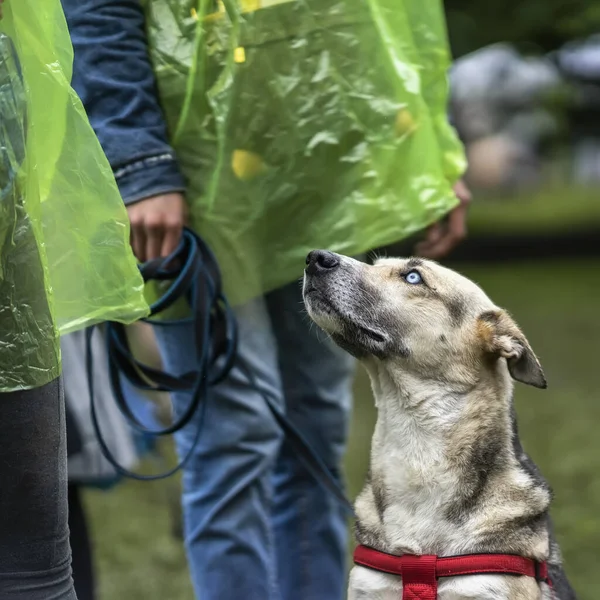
point(320, 262)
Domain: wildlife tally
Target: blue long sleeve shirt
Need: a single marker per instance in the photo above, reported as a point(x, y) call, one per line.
point(113, 76)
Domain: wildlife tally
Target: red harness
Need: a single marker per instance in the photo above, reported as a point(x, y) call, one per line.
point(420, 573)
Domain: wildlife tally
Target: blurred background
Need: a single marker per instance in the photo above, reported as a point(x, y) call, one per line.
point(526, 103)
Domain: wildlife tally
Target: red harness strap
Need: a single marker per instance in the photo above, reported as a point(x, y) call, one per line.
point(420, 573)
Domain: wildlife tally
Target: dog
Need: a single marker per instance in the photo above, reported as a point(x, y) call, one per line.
point(448, 475)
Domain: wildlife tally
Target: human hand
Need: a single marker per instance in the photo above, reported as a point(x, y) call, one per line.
point(444, 235)
point(156, 225)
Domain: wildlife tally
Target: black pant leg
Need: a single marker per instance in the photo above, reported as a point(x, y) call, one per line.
point(35, 557)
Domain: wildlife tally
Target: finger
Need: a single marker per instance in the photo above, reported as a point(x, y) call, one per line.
point(462, 192)
point(432, 237)
point(437, 250)
point(137, 236)
point(434, 233)
point(155, 233)
point(455, 233)
point(171, 239)
point(457, 223)
point(431, 251)
point(138, 242)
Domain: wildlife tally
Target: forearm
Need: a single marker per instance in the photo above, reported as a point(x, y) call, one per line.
point(113, 76)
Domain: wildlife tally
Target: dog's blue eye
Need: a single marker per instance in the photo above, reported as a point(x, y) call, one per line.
point(413, 277)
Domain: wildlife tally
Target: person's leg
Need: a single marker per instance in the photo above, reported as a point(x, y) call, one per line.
point(81, 547)
point(310, 527)
point(227, 483)
point(35, 558)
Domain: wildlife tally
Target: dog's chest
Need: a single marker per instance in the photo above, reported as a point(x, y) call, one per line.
point(411, 495)
point(366, 584)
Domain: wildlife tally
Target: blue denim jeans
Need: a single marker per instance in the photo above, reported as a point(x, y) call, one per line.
point(257, 526)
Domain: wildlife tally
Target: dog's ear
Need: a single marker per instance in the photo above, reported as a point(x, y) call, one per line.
point(502, 337)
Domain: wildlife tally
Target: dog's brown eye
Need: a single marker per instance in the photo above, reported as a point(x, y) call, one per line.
point(413, 277)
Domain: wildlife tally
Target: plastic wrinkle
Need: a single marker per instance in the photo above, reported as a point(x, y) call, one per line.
point(65, 258)
point(302, 124)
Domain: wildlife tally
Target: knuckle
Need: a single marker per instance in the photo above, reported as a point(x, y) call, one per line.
point(154, 223)
point(174, 222)
point(135, 219)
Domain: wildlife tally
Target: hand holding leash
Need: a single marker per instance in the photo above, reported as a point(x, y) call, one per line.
point(156, 225)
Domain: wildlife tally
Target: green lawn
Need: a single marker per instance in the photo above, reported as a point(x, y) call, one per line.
point(554, 209)
point(557, 306)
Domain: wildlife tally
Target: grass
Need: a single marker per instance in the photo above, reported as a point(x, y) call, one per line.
point(556, 305)
point(545, 211)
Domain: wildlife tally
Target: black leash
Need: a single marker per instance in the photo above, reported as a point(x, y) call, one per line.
point(194, 275)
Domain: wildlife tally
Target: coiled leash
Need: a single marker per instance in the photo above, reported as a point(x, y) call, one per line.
point(194, 275)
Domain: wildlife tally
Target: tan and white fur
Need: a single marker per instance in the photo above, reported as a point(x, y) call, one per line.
point(448, 475)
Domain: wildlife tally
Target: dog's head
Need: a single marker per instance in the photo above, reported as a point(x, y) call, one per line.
point(416, 315)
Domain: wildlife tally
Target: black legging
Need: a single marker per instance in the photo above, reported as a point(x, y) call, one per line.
point(35, 558)
point(83, 568)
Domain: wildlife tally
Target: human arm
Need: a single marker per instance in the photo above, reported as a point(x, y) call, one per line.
point(113, 76)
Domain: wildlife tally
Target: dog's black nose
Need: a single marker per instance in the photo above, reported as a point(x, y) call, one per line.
point(319, 261)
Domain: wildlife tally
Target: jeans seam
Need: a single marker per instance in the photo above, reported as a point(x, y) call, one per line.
point(305, 550)
point(271, 550)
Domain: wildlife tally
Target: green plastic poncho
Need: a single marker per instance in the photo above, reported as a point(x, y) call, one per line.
point(302, 124)
point(65, 260)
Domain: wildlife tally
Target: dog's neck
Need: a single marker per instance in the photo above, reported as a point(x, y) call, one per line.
point(445, 474)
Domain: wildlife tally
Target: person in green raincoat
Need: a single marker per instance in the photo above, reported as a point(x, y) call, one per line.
point(65, 263)
point(272, 127)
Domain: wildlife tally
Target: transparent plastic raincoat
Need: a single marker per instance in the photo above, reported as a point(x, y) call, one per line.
point(302, 124)
point(65, 259)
